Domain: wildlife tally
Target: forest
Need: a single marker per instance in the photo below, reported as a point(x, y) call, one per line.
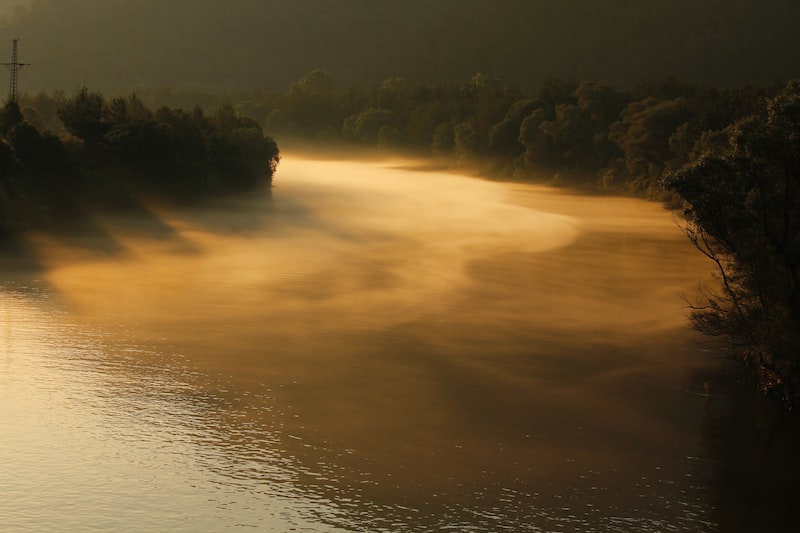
point(578, 133)
point(65, 156)
point(728, 158)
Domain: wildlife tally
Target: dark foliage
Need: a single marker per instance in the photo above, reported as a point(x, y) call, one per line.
point(742, 206)
point(620, 140)
point(110, 153)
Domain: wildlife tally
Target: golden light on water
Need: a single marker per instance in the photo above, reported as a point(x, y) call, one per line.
point(410, 334)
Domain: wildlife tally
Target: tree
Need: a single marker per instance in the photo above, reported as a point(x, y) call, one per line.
point(240, 155)
point(365, 126)
point(82, 116)
point(742, 209)
point(466, 140)
point(643, 134)
point(600, 101)
point(8, 160)
point(504, 136)
point(442, 142)
point(570, 136)
point(10, 116)
point(488, 100)
point(187, 154)
point(310, 103)
point(392, 93)
point(116, 112)
point(317, 82)
point(535, 142)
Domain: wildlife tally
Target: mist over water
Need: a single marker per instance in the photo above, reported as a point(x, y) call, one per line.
point(372, 347)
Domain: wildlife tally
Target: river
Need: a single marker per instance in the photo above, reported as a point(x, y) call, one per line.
point(375, 346)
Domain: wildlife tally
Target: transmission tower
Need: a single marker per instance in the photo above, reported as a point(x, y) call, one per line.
point(14, 66)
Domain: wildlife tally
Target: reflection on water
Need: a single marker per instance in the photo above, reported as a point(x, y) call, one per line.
point(370, 349)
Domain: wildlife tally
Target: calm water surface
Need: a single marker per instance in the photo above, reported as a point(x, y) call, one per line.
point(373, 348)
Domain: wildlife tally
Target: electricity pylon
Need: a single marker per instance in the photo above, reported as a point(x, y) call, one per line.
point(14, 66)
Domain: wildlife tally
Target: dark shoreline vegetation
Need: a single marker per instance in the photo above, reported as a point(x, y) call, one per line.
point(729, 158)
point(74, 155)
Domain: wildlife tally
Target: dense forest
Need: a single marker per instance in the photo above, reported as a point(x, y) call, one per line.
point(728, 157)
point(580, 133)
point(64, 155)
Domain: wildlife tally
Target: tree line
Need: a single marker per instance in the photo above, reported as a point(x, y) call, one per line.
point(61, 155)
point(588, 133)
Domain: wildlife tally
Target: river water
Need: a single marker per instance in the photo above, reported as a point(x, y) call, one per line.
point(372, 347)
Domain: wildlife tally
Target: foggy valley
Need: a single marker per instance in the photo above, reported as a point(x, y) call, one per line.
point(383, 266)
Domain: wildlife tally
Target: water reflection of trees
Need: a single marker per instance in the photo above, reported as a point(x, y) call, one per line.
point(752, 445)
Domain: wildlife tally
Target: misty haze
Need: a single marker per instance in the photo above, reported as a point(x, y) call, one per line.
point(399, 266)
